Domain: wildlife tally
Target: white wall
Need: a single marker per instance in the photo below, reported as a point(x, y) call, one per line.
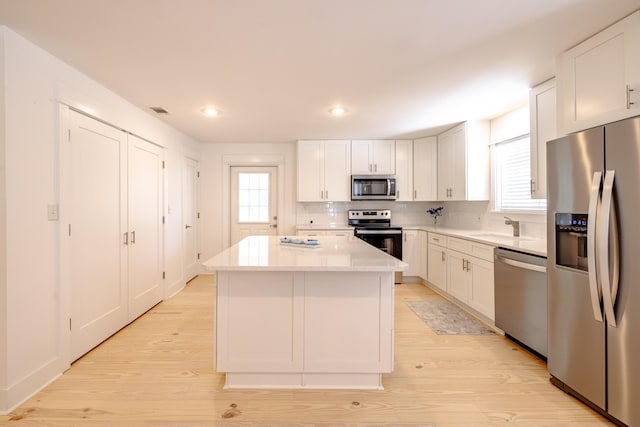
point(34, 84)
point(212, 193)
point(3, 236)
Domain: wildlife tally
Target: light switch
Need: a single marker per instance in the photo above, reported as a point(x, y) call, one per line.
point(52, 212)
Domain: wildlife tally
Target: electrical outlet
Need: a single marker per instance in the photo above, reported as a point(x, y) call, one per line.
point(52, 212)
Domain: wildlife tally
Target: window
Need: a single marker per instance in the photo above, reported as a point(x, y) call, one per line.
point(512, 176)
point(253, 197)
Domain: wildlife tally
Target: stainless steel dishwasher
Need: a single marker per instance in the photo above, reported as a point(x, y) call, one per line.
point(521, 297)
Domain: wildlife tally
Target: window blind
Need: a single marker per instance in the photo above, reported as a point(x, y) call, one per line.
point(513, 176)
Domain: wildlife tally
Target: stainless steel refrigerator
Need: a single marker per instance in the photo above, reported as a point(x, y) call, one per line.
point(593, 238)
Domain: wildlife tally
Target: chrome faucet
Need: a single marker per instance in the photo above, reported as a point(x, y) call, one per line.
point(514, 224)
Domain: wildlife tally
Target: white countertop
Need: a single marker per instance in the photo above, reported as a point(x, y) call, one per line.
point(265, 253)
point(525, 244)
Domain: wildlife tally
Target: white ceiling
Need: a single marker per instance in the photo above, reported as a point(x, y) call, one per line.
point(403, 68)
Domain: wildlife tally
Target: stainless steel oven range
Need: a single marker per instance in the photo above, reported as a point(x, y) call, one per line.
point(374, 227)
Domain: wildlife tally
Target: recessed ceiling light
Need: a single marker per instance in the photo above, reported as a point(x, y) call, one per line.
point(210, 112)
point(338, 111)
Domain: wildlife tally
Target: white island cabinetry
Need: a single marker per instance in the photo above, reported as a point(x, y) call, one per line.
point(278, 310)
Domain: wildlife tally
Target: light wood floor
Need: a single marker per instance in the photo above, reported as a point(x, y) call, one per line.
point(159, 372)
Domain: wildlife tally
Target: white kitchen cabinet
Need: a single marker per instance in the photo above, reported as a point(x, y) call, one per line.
point(458, 284)
point(425, 169)
point(482, 296)
point(404, 170)
point(315, 232)
point(423, 241)
point(414, 252)
point(463, 162)
point(417, 169)
point(377, 157)
point(542, 111)
point(598, 81)
point(324, 171)
point(437, 260)
point(470, 274)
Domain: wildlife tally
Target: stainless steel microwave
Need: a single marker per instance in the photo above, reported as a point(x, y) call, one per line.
point(373, 187)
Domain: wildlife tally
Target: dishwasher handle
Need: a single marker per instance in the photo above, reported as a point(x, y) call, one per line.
point(520, 264)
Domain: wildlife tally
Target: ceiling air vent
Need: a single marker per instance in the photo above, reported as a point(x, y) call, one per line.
point(159, 110)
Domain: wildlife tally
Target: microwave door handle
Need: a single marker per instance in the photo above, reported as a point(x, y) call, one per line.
point(609, 282)
point(389, 187)
point(595, 291)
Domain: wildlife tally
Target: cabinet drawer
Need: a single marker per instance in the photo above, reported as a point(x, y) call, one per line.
point(469, 247)
point(459, 245)
point(437, 239)
point(482, 251)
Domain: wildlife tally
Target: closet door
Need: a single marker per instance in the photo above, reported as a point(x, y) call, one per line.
point(97, 227)
point(145, 226)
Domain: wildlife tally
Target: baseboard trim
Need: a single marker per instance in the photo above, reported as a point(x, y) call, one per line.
point(21, 391)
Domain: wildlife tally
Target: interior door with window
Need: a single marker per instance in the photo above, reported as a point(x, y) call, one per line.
point(253, 201)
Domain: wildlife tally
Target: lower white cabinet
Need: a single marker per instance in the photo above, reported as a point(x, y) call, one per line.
point(457, 279)
point(464, 270)
point(482, 288)
point(437, 260)
point(325, 232)
point(414, 252)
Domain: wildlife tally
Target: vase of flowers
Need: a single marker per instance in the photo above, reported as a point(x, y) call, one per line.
point(435, 213)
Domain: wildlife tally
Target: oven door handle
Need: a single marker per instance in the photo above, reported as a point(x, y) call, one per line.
point(378, 231)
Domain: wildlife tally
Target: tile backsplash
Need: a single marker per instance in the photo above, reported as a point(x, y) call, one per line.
point(461, 215)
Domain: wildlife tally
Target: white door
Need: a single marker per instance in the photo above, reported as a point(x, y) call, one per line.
point(190, 214)
point(98, 221)
point(145, 226)
point(253, 201)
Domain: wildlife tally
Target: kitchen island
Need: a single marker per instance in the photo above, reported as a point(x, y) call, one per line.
point(304, 317)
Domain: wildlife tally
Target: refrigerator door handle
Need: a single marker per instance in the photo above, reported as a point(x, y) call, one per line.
point(609, 281)
point(595, 290)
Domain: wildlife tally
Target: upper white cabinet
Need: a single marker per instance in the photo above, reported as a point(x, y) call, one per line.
point(598, 81)
point(404, 170)
point(324, 169)
point(425, 169)
point(417, 169)
point(373, 157)
point(463, 162)
point(542, 110)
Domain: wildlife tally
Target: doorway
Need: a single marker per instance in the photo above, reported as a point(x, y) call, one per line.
point(253, 201)
point(191, 216)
